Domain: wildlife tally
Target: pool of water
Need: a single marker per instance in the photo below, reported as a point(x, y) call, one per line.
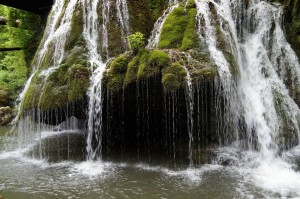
point(22, 177)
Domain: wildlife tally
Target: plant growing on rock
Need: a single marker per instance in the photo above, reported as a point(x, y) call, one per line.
point(136, 42)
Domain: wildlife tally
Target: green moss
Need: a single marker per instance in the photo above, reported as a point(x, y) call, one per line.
point(179, 30)
point(173, 30)
point(190, 38)
point(65, 84)
point(144, 13)
point(204, 73)
point(78, 82)
point(174, 77)
point(53, 96)
point(152, 63)
point(132, 70)
point(76, 37)
point(58, 76)
point(76, 56)
point(116, 72)
point(232, 62)
point(119, 65)
point(170, 82)
point(32, 96)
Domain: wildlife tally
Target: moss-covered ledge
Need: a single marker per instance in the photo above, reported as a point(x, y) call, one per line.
point(167, 64)
point(64, 85)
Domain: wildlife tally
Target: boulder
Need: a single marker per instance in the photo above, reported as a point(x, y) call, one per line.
point(7, 114)
point(3, 21)
point(4, 97)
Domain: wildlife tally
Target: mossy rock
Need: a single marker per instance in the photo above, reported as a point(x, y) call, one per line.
point(174, 77)
point(179, 30)
point(64, 85)
point(204, 73)
point(4, 97)
point(78, 82)
point(116, 72)
point(173, 29)
point(76, 37)
point(152, 63)
point(119, 65)
point(170, 82)
point(144, 13)
point(53, 97)
point(132, 70)
point(190, 39)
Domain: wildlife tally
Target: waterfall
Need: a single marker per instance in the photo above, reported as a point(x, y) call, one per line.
point(98, 64)
point(90, 33)
point(123, 18)
point(54, 39)
point(263, 57)
point(53, 42)
point(190, 111)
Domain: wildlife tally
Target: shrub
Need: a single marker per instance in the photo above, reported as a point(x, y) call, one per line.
point(136, 42)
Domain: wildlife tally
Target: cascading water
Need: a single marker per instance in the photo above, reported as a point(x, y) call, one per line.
point(123, 18)
point(190, 111)
point(266, 63)
point(90, 33)
point(98, 65)
point(54, 40)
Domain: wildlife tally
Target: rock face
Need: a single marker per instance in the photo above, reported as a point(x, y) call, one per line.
point(7, 114)
point(3, 20)
point(4, 98)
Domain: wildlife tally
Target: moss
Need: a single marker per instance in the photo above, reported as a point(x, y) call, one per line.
point(58, 76)
point(119, 65)
point(116, 45)
point(152, 63)
point(173, 30)
point(76, 37)
point(76, 55)
point(232, 62)
point(204, 73)
point(132, 70)
point(170, 82)
point(33, 93)
point(116, 72)
point(179, 30)
point(191, 4)
point(65, 84)
point(174, 77)
point(78, 82)
point(144, 13)
point(190, 38)
point(53, 96)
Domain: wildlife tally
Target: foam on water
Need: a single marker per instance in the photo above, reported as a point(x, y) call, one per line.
point(92, 169)
point(191, 176)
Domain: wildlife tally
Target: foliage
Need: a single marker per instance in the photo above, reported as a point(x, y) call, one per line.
point(136, 42)
point(14, 65)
